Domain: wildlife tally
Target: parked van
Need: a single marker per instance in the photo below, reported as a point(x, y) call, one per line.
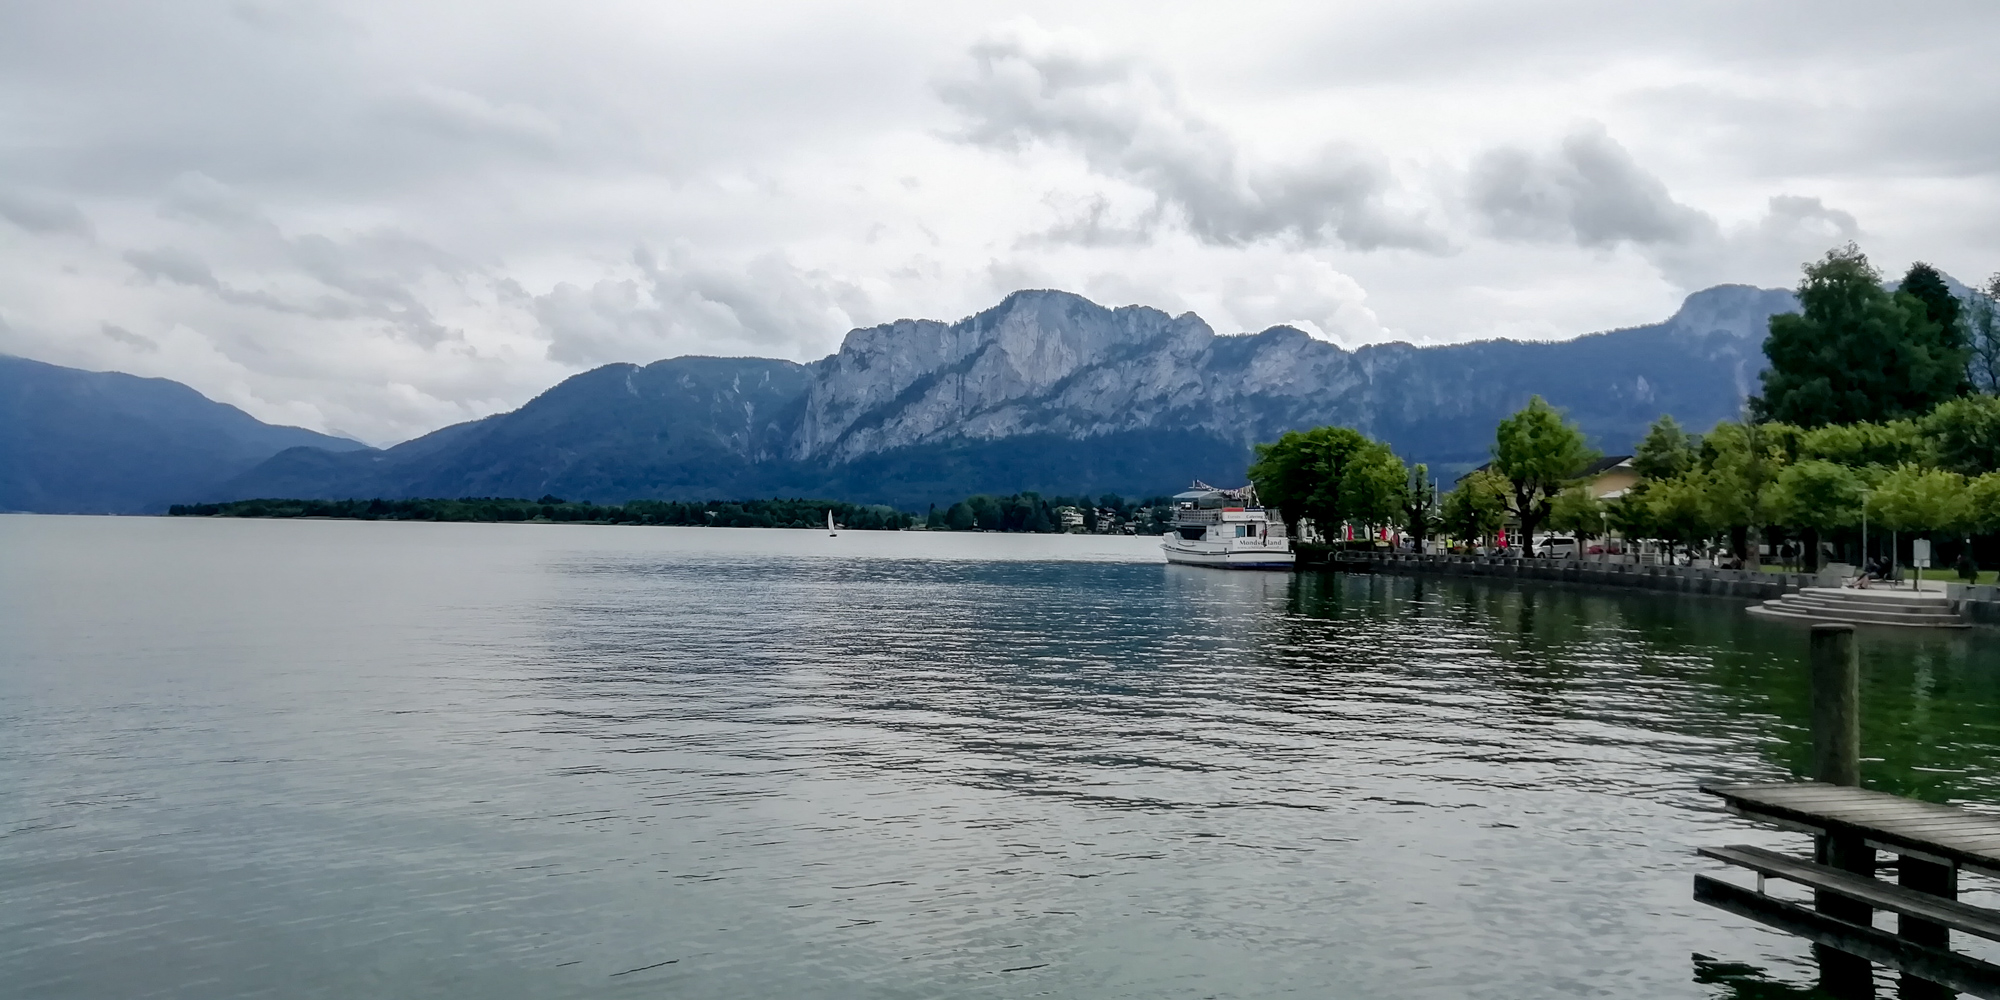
point(1558, 547)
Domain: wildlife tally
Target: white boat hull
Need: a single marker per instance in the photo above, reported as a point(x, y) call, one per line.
point(1243, 553)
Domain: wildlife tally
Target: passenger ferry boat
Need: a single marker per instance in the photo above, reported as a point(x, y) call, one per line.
point(1226, 528)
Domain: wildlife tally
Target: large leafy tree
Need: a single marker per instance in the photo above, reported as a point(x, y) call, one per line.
point(1859, 444)
point(1816, 495)
point(1913, 498)
point(1539, 453)
point(1740, 466)
point(1854, 352)
point(1305, 474)
point(1476, 507)
point(1667, 450)
point(1923, 283)
point(1577, 512)
point(1372, 485)
point(1420, 505)
point(1964, 435)
point(1982, 503)
point(1678, 511)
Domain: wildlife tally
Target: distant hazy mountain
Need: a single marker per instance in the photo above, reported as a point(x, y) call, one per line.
point(1045, 391)
point(105, 443)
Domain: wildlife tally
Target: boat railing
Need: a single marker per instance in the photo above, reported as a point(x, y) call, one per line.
point(1197, 515)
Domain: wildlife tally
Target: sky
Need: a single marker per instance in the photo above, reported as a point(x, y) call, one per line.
point(377, 219)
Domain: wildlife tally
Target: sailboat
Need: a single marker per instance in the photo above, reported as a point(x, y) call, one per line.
point(829, 524)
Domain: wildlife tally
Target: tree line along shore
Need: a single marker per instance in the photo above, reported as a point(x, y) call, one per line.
point(1019, 512)
point(1878, 421)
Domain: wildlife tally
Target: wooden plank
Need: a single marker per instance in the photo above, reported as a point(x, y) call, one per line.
point(1959, 824)
point(1944, 832)
point(1966, 823)
point(1791, 791)
point(1861, 811)
point(1876, 893)
point(1946, 968)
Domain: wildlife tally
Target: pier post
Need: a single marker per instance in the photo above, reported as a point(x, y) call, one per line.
point(1836, 705)
point(1836, 741)
point(1938, 880)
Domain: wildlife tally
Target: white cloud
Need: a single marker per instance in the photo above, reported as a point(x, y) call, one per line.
point(383, 217)
point(1025, 85)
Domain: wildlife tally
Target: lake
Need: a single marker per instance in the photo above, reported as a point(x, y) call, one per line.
point(338, 759)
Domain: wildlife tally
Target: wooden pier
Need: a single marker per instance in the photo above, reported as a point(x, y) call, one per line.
point(1931, 845)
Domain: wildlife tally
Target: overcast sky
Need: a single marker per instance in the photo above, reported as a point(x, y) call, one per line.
point(378, 219)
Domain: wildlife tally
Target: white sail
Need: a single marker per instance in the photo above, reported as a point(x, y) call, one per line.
point(829, 524)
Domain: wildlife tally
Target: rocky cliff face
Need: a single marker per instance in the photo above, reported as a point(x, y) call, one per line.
point(1052, 363)
point(1045, 391)
point(1038, 362)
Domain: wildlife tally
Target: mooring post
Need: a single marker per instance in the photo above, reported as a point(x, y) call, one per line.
point(1836, 740)
point(1938, 880)
point(1836, 705)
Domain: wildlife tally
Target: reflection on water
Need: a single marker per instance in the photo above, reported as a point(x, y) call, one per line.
point(330, 759)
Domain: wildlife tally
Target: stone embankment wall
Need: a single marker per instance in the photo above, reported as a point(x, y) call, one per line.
point(1675, 579)
point(1979, 604)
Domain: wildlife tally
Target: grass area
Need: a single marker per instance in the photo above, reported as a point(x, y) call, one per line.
point(1949, 575)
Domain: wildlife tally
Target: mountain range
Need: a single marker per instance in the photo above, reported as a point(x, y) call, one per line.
point(1045, 391)
point(108, 443)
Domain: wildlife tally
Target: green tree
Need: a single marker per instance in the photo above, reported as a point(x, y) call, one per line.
point(1303, 473)
point(960, 517)
point(1862, 444)
point(1631, 515)
point(1539, 453)
point(1476, 507)
point(1982, 503)
point(1964, 435)
point(1815, 496)
point(1923, 283)
point(1679, 511)
point(1854, 352)
point(1740, 466)
point(1420, 505)
point(1915, 499)
point(1667, 451)
point(1579, 513)
point(1037, 517)
point(1371, 487)
point(986, 513)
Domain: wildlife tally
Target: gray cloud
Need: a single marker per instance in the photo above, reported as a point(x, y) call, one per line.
point(130, 339)
point(369, 277)
point(43, 215)
point(384, 216)
point(1591, 192)
point(679, 304)
point(1026, 86)
point(1589, 189)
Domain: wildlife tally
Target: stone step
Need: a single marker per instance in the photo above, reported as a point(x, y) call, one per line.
point(1779, 609)
point(1872, 617)
point(1897, 598)
point(1933, 611)
point(1941, 607)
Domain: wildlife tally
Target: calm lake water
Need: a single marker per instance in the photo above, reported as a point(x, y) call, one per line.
point(336, 759)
